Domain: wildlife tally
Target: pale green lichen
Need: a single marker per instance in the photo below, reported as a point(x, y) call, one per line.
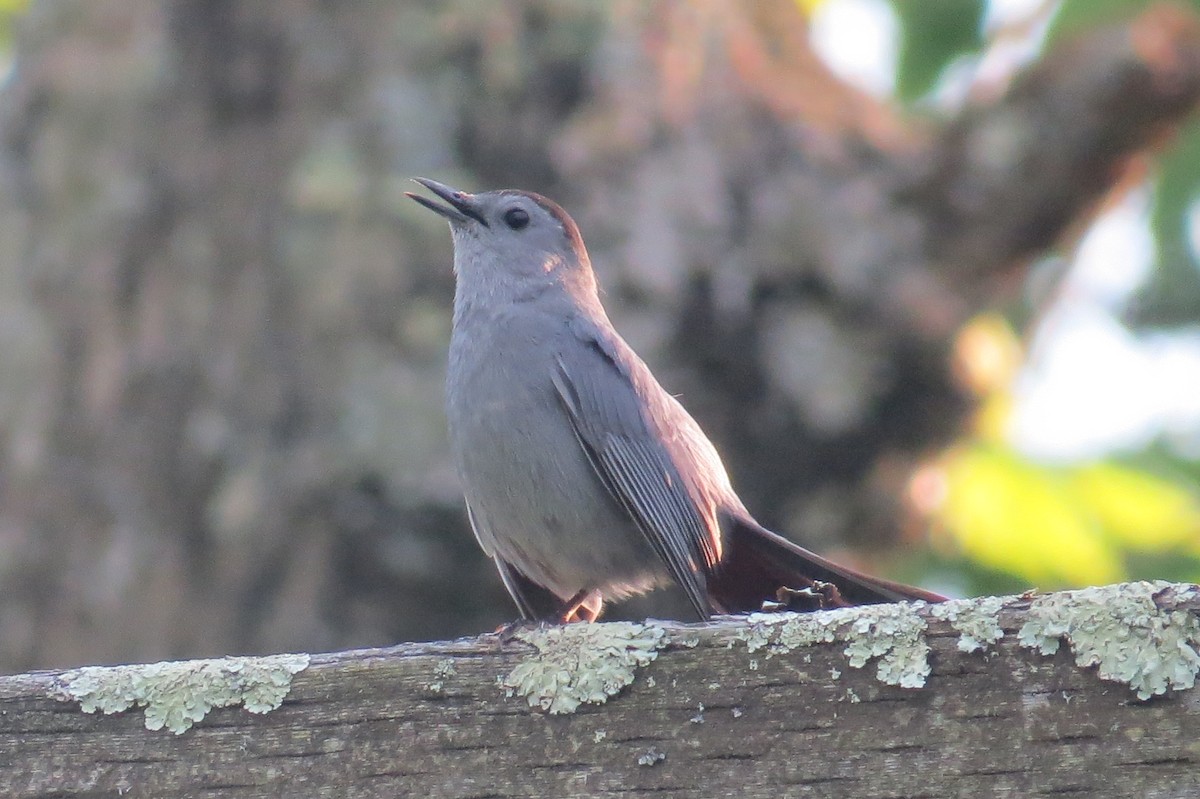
point(176, 695)
point(445, 669)
point(895, 635)
point(578, 663)
point(977, 621)
point(1121, 630)
point(783, 632)
point(892, 633)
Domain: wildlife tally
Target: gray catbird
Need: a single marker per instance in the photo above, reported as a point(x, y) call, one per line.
point(585, 480)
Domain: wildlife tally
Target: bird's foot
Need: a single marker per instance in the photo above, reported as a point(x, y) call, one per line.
point(584, 606)
point(818, 596)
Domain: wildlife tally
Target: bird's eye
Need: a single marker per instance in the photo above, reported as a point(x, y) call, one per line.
point(516, 218)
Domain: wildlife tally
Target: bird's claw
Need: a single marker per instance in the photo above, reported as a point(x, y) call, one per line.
point(818, 596)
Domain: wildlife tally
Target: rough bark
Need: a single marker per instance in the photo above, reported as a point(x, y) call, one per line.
point(726, 709)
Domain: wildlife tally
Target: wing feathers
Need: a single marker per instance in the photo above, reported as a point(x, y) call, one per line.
point(637, 470)
point(663, 513)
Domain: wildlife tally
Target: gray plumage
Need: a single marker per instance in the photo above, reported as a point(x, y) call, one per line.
point(584, 479)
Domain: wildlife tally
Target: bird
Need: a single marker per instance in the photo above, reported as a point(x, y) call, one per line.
point(586, 481)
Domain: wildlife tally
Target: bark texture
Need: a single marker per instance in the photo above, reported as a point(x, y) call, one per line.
point(726, 709)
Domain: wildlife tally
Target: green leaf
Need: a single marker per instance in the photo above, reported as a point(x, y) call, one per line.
point(1137, 510)
point(9, 11)
point(1172, 296)
point(932, 34)
point(1010, 514)
point(1077, 15)
point(1081, 524)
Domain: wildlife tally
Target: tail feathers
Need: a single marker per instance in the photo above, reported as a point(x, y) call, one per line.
point(757, 563)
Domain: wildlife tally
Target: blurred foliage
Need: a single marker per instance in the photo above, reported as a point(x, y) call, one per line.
point(1076, 15)
point(9, 10)
point(1056, 526)
point(1019, 522)
point(932, 34)
point(1052, 526)
point(1170, 298)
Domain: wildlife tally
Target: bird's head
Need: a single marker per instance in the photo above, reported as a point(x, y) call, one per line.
point(509, 234)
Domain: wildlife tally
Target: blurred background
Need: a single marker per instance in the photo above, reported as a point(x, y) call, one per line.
point(925, 271)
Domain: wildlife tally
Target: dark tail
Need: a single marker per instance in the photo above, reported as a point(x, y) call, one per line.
point(757, 563)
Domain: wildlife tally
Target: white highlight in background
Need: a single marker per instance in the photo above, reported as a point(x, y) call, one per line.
point(1090, 385)
point(857, 40)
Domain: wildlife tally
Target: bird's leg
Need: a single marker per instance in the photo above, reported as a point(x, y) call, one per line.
point(510, 629)
point(584, 606)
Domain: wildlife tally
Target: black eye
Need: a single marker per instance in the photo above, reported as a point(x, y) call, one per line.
point(516, 218)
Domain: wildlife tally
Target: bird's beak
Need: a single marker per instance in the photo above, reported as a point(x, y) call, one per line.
point(462, 205)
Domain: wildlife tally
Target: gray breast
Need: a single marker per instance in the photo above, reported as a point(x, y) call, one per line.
point(535, 500)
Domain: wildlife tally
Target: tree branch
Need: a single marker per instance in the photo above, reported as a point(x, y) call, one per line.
point(1007, 180)
point(772, 705)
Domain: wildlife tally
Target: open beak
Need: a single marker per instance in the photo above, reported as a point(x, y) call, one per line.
point(461, 206)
